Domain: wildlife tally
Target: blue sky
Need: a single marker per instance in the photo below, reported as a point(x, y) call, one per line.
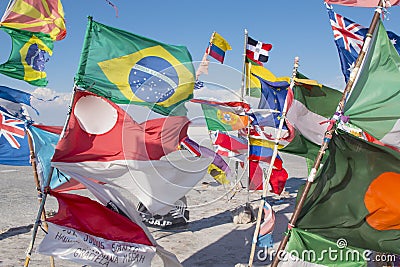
point(294, 28)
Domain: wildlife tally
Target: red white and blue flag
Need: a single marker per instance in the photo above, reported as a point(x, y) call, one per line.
point(257, 51)
point(349, 38)
point(13, 141)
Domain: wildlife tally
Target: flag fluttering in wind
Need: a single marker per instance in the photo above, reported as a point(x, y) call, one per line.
point(141, 158)
point(311, 109)
point(45, 139)
point(36, 16)
point(256, 51)
point(96, 235)
point(218, 47)
point(349, 38)
point(30, 51)
point(373, 103)
point(254, 84)
point(362, 3)
point(13, 141)
point(368, 175)
point(139, 70)
point(223, 120)
point(218, 168)
point(273, 96)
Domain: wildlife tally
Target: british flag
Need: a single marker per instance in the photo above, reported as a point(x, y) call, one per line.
point(11, 128)
point(349, 38)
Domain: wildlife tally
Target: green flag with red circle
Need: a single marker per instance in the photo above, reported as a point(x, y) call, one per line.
point(356, 196)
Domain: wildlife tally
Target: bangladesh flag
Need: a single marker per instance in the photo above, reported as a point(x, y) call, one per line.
point(223, 120)
point(356, 196)
point(128, 68)
point(30, 51)
point(313, 104)
point(373, 104)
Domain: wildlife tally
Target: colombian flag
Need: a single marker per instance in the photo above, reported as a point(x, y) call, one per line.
point(218, 47)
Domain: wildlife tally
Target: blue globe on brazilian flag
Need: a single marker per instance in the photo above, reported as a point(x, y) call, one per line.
point(128, 68)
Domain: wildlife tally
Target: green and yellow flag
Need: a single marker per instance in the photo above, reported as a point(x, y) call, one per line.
point(128, 68)
point(223, 120)
point(355, 197)
point(30, 51)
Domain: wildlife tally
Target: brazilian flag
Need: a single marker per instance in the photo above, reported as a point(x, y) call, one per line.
point(128, 68)
point(30, 52)
point(356, 196)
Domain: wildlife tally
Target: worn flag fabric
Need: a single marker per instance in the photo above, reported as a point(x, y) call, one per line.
point(218, 47)
point(310, 250)
point(273, 97)
point(368, 175)
point(229, 142)
point(349, 38)
point(30, 51)
point(256, 51)
point(115, 199)
point(310, 111)
point(120, 151)
point(372, 105)
point(139, 70)
point(13, 141)
point(44, 143)
point(362, 3)
point(11, 100)
point(267, 226)
point(218, 168)
point(223, 120)
point(86, 232)
point(277, 180)
point(36, 16)
point(253, 83)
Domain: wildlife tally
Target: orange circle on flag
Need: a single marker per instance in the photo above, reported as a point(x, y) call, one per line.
point(382, 201)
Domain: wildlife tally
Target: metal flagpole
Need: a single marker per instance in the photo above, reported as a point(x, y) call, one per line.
point(37, 182)
point(271, 165)
point(45, 191)
point(330, 130)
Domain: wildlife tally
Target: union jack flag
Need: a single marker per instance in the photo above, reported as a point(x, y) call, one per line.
point(11, 128)
point(349, 38)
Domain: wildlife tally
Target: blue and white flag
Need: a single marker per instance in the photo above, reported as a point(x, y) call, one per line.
point(349, 38)
point(13, 141)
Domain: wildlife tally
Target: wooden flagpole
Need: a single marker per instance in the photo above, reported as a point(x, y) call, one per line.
point(270, 168)
point(45, 192)
point(37, 182)
point(330, 131)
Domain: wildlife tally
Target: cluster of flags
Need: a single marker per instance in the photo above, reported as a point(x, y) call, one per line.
point(143, 158)
point(362, 159)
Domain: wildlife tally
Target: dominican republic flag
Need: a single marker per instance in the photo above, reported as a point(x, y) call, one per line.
point(257, 51)
point(141, 158)
point(86, 232)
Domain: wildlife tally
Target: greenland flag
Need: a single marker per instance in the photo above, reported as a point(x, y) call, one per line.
point(104, 143)
point(86, 232)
